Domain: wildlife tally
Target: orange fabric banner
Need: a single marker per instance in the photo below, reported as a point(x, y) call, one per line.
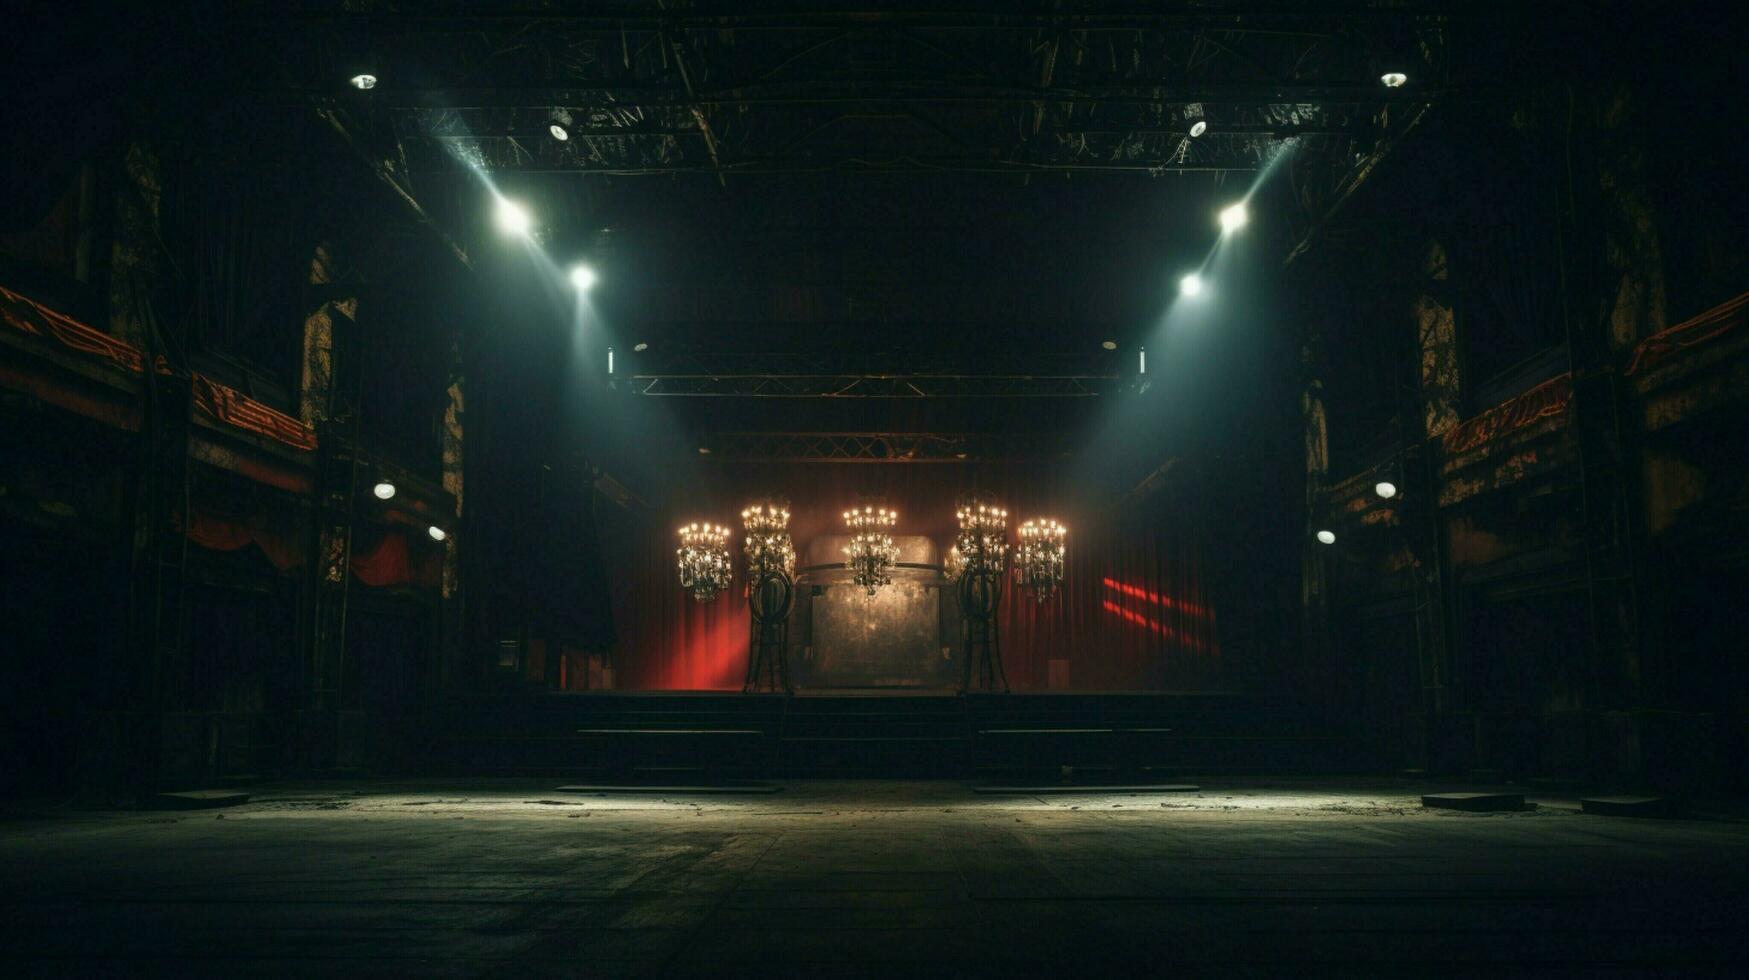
point(212, 399)
point(1549, 398)
point(1693, 332)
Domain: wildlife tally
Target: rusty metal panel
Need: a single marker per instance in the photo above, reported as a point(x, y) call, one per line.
point(898, 637)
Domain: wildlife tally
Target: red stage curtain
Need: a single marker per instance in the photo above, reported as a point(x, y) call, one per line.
point(390, 557)
point(279, 540)
point(1134, 613)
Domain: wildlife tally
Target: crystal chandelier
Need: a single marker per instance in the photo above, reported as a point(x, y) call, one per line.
point(871, 551)
point(768, 547)
point(704, 560)
point(1038, 562)
point(982, 543)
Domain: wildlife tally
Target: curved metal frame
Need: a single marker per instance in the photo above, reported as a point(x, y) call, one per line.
point(980, 595)
point(769, 600)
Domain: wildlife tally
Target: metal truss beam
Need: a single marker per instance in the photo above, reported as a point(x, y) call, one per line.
point(1266, 18)
point(885, 447)
point(792, 94)
point(814, 376)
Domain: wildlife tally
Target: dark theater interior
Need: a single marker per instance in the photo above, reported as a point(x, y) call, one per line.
point(874, 488)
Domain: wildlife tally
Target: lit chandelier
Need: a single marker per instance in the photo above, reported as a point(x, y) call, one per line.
point(871, 551)
point(768, 547)
point(704, 560)
point(982, 543)
point(1038, 562)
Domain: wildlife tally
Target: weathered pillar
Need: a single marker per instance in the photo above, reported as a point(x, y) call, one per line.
point(135, 252)
point(452, 636)
point(1440, 388)
point(1615, 296)
point(329, 402)
point(1314, 556)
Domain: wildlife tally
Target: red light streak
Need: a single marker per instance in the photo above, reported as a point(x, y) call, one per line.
point(1155, 598)
point(1176, 636)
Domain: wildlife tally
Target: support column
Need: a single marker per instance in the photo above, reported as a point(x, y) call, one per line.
point(329, 401)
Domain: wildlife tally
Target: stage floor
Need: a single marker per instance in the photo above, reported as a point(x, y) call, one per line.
point(867, 878)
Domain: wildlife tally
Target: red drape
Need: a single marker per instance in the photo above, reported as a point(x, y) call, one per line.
point(390, 557)
point(279, 540)
point(1133, 614)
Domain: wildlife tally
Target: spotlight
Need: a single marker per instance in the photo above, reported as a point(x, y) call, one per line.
point(1385, 489)
point(512, 218)
point(610, 360)
point(640, 347)
point(1394, 79)
point(383, 490)
point(1108, 344)
point(704, 450)
point(582, 277)
point(1199, 127)
point(1234, 217)
point(437, 533)
point(1326, 537)
point(1190, 285)
point(363, 81)
point(559, 132)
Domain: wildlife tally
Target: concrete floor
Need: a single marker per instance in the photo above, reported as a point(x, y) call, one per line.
point(505, 878)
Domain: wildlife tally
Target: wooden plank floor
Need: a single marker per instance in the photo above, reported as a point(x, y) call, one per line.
point(501, 878)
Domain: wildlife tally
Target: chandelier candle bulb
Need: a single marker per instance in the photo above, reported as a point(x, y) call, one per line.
point(703, 557)
point(1039, 560)
point(982, 543)
point(767, 546)
point(871, 553)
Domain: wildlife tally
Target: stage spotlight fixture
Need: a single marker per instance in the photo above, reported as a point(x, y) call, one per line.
point(1234, 217)
point(582, 277)
point(363, 81)
point(1326, 537)
point(559, 132)
point(1199, 127)
point(1108, 344)
point(437, 533)
point(1141, 360)
point(512, 218)
point(1190, 285)
point(704, 450)
point(1394, 79)
point(640, 347)
point(383, 490)
point(610, 360)
point(1385, 489)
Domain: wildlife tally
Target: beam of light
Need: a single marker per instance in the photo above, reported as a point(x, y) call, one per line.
point(1137, 592)
point(1234, 217)
point(1191, 285)
point(1176, 636)
point(512, 218)
point(582, 277)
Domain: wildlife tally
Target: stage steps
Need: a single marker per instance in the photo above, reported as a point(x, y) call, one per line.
point(891, 735)
point(634, 736)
